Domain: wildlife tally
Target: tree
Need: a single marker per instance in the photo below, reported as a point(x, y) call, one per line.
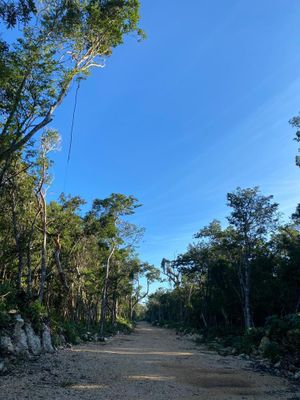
point(66, 40)
point(13, 12)
point(253, 217)
point(295, 123)
point(50, 141)
point(106, 218)
point(151, 274)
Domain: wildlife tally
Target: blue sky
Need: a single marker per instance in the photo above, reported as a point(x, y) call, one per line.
point(199, 108)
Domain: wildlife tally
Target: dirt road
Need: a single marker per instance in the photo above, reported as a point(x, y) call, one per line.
point(152, 363)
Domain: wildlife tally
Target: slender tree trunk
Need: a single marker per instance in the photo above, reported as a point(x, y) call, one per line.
point(28, 252)
point(297, 306)
point(204, 320)
point(62, 275)
point(29, 272)
point(114, 307)
point(44, 247)
point(244, 280)
point(18, 241)
point(104, 294)
point(247, 304)
point(225, 316)
point(116, 310)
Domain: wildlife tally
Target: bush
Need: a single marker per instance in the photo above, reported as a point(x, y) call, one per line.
point(8, 301)
point(243, 344)
point(122, 324)
point(4, 317)
point(36, 313)
point(293, 340)
point(272, 351)
point(254, 335)
point(71, 332)
point(277, 328)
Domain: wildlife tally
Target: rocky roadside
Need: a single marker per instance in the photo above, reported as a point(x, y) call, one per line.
point(282, 368)
point(20, 341)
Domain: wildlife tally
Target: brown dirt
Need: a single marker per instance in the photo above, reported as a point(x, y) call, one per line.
point(152, 363)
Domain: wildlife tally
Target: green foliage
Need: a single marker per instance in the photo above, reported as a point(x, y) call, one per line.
point(272, 351)
point(8, 301)
point(122, 325)
point(293, 340)
point(63, 42)
point(277, 327)
point(8, 296)
point(246, 343)
point(13, 12)
point(254, 335)
point(72, 331)
point(4, 316)
point(252, 264)
point(36, 313)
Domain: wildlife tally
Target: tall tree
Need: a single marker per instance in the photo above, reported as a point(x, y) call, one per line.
point(106, 218)
point(253, 217)
point(49, 142)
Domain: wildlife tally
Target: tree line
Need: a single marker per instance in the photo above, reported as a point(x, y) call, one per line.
point(60, 258)
point(83, 265)
point(232, 277)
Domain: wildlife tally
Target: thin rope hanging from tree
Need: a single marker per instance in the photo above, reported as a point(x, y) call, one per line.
point(73, 120)
point(71, 133)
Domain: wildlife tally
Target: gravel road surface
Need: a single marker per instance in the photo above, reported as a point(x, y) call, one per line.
point(150, 364)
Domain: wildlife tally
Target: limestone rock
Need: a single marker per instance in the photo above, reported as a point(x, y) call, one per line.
point(34, 342)
point(63, 340)
point(20, 337)
point(2, 367)
point(277, 365)
point(46, 340)
point(6, 345)
point(297, 375)
point(264, 343)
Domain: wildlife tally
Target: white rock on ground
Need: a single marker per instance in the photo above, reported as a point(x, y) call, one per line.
point(2, 366)
point(46, 340)
point(297, 375)
point(6, 345)
point(34, 342)
point(20, 337)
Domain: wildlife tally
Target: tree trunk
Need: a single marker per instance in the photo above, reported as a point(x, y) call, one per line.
point(18, 242)
point(104, 294)
point(297, 306)
point(247, 304)
point(28, 252)
point(44, 247)
point(62, 275)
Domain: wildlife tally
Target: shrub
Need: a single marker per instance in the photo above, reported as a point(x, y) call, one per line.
point(123, 325)
point(4, 317)
point(272, 351)
point(36, 313)
point(243, 344)
point(254, 335)
point(8, 301)
point(277, 327)
point(70, 331)
point(293, 340)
